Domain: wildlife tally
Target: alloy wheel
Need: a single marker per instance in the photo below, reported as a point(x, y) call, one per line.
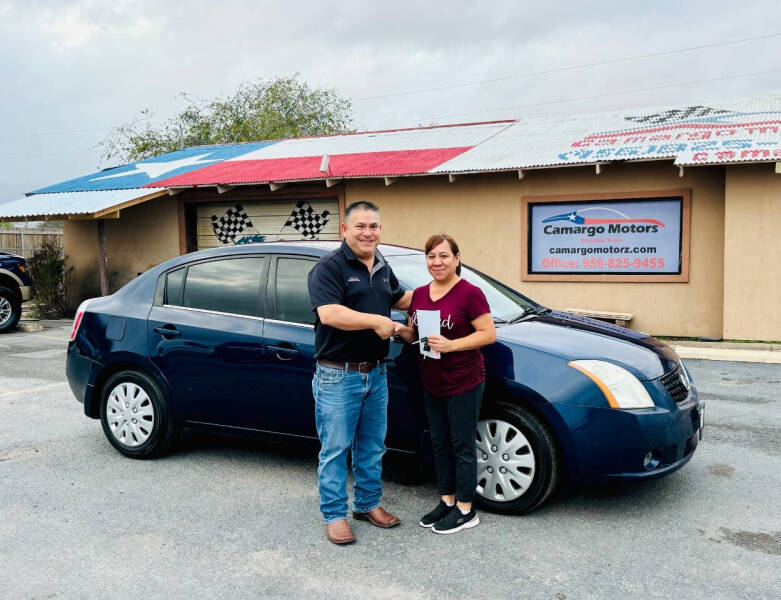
point(5, 310)
point(130, 414)
point(505, 461)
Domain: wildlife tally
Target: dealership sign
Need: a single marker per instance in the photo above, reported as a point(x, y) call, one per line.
point(637, 237)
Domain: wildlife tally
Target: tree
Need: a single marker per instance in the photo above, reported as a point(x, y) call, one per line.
point(47, 225)
point(267, 109)
point(48, 267)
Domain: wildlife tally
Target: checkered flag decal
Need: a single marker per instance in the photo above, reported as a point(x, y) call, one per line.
point(232, 223)
point(306, 220)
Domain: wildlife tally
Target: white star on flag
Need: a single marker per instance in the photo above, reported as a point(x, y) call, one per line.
point(153, 170)
point(572, 216)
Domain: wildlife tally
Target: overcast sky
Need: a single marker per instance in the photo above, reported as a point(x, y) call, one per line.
point(72, 70)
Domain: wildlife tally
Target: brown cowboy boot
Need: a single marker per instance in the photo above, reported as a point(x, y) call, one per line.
point(379, 517)
point(339, 532)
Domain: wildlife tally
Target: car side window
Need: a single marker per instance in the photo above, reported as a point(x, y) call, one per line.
point(173, 286)
point(292, 292)
point(229, 286)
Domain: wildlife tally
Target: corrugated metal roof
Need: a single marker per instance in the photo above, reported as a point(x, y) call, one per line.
point(74, 203)
point(455, 136)
point(147, 172)
point(744, 130)
point(716, 133)
point(303, 168)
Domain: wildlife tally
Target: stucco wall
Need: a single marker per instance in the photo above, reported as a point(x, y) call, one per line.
point(144, 236)
point(80, 241)
point(483, 212)
point(752, 253)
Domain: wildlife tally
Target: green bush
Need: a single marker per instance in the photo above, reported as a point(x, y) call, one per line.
point(51, 277)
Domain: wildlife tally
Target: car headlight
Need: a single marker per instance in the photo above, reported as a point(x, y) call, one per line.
point(687, 374)
point(620, 387)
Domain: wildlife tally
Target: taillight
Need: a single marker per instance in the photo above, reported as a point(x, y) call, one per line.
point(77, 319)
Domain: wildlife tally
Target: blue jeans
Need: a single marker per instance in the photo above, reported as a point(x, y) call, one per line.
point(351, 412)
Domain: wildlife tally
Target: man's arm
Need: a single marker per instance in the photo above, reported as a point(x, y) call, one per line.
point(403, 302)
point(347, 319)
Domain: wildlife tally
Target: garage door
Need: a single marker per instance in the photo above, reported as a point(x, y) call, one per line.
point(247, 222)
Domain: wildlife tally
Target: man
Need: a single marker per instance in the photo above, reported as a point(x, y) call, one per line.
point(352, 290)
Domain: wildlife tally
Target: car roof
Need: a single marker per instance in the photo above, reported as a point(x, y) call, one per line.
point(328, 245)
point(291, 247)
point(311, 248)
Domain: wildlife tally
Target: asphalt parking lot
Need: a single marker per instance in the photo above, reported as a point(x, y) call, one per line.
point(224, 518)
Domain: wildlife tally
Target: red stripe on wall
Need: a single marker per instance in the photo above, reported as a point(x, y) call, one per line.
point(364, 164)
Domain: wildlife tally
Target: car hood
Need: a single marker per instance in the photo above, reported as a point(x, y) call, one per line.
point(572, 337)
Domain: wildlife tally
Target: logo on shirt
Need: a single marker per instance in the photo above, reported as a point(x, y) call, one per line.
point(446, 323)
point(353, 279)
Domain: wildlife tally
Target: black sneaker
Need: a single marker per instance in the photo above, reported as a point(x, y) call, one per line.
point(439, 512)
point(456, 521)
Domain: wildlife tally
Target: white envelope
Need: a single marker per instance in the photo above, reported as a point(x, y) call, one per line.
point(428, 324)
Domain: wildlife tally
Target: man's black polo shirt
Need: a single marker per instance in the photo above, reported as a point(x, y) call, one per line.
point(341, 278)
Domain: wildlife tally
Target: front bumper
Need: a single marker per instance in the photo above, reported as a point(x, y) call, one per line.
point(611, 443)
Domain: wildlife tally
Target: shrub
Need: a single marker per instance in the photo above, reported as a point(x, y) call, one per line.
point(51, 277)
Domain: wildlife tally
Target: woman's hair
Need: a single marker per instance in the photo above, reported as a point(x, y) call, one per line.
point(437, 239)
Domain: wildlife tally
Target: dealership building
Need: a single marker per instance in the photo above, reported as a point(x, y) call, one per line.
point(669, 216)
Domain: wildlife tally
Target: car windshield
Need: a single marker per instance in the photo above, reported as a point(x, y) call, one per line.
point(506, 304)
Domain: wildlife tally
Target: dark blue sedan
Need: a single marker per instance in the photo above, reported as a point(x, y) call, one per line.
point(223, 339)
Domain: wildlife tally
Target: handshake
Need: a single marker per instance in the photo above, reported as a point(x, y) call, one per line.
point(386, 328)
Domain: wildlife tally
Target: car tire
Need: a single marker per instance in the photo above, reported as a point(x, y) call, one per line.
point(135, 415)
point(517, 461)
point(10, 309)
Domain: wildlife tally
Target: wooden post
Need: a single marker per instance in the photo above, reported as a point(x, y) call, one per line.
point(102, 263)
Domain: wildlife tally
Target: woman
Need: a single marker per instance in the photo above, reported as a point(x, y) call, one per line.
point(453, 384)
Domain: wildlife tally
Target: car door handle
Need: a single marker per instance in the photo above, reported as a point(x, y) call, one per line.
point(284, 352)
point(167, 332)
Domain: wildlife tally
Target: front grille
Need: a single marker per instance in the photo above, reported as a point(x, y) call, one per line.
point(673, 383)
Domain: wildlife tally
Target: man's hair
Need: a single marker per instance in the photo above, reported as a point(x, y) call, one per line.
point(360, 205)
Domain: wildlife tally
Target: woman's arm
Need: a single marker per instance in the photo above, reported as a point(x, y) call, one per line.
point(484, 334)
point(406, 333)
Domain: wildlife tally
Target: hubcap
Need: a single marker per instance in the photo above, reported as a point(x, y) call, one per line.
point(130, 414)
point(505, 461)
point(5, 310)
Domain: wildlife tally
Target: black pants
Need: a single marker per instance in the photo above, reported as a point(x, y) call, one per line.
point(453, 421)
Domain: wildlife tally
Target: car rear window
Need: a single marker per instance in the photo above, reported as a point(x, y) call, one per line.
point(173, 286)
point(228, 286)
point(292, 298)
